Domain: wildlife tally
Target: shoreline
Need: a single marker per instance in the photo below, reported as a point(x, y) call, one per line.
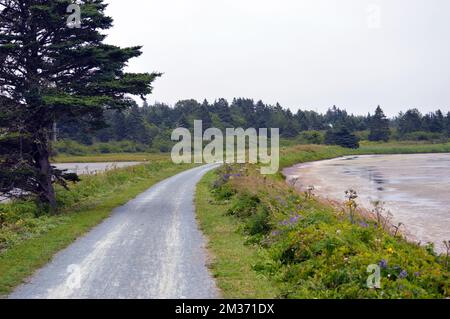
point(294, 179)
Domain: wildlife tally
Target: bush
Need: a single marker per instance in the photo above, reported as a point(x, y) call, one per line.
point(244, 206)
point(341, 136)
point(258, 223)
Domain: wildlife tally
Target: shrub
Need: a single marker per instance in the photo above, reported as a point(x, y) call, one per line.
point(245, 205)
point(343, 137)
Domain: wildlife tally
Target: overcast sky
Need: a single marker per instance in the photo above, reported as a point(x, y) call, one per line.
point(307, 54)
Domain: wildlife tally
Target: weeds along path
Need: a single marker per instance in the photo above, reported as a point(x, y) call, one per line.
point(149, 248)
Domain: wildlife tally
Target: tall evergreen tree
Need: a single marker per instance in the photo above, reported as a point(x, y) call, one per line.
point(379, 126)
point(50, 70)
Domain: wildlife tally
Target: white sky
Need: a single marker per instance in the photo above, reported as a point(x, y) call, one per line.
point(307, 54)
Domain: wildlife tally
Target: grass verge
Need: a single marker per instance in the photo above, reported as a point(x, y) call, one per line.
point(232, 258)
point(28, 240)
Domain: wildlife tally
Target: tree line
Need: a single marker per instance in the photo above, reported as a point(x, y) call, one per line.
point(152, 124)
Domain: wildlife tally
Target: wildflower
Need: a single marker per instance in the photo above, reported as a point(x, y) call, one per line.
point(338, 231)
point(294, 219)
point(403, 274)
point(291, 221)
point(363, 224)
point(417, 274)
point(390, 250)
point(383, 264)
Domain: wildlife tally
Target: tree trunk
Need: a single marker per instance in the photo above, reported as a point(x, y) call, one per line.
point(46, 191)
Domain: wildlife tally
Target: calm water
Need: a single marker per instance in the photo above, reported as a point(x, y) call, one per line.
point(92, 168)
point(87, 169)
point(414, 188)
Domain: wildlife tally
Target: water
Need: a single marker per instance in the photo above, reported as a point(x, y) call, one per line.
point(93, 168)
point(414, 188)
point(85, 169)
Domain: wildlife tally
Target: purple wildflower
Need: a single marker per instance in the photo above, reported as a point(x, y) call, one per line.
point(291, 221)
point(294, 220)
point(226, 177)
point(403, 274)
point(284, 223)
point(363, 224)
point(383, 264)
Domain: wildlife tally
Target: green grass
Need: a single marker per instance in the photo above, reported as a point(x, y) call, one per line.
point(114, 157)
point(29, 240)
point(232, 259)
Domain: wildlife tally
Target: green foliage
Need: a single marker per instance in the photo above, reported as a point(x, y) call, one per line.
point(246, 205)
point(341, 136)
point(379, 127)
point(410, 122)
point(421, 136)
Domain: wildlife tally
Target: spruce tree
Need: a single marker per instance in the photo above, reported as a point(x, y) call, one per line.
point(50, 69)
point(379, 126)
point(341, 136)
